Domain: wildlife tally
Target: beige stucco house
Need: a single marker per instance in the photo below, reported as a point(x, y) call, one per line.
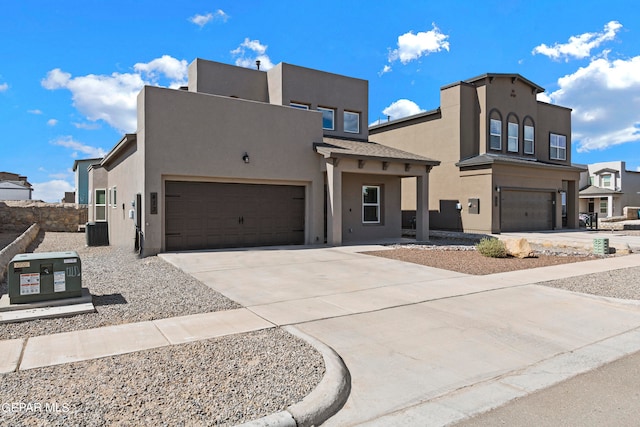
point(244, 157)
point(606, 188)
point(505, 157)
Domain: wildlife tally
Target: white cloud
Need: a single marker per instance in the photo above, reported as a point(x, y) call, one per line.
point(413, 46)
point(87, 126)
point(51, 191)
point(113, 98)
point(386, 69)
point(202, 20)
point(52, 122)
point(251, 51)
point(399, 109)
point(36, 112)
point(69, 142)
point(605, 98)
point(167, 66)
point(4, 87)
point(580, 46)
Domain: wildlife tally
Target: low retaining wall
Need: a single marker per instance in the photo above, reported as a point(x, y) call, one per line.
point(20, 214)
point(18, 246)
point(631, 212)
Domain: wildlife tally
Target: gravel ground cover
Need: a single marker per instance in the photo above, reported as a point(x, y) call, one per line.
point(223, 381)
point(124, 287)
point(465, 259)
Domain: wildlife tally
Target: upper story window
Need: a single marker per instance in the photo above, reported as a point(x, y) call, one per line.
point(328, 118)
point(298, 105)
point(557, 147)
point(351, 122)
point(496, 134)
point(529, 142)
point(606, 180)
point(512, 138)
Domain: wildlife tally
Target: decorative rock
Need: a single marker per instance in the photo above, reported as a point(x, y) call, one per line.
point(518, 248)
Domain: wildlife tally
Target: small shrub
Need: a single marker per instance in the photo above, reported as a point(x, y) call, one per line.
point(493, 248)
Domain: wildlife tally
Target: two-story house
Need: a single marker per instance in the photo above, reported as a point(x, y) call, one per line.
point(505, 157)
point(606, 188)
point(244, 157)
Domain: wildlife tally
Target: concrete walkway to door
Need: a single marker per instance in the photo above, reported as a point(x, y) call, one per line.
point(426, 346)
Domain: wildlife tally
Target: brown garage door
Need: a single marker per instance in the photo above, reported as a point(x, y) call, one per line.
point(526, 210)
point(205, 215)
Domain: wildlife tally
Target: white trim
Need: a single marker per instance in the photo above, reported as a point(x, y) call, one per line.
point(491, 134)
point(557, 146)
point(333, 117)
point(533, 140)
point(344, 118)
point(511, 137)
point(97, 205)
point(377, 204)
point(299, 105)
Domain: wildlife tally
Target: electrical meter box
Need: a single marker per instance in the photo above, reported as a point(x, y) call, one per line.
point(44, 276)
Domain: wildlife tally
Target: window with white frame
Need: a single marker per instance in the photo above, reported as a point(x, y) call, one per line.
point(496, 134)
point(100, 205)
point(604, 205)
point(529, 142)
point(370, 204)
point(351, 122)
point(606, 180)
point(298, 105)
point(512, 137)
point(328, 118)
point(557, 147)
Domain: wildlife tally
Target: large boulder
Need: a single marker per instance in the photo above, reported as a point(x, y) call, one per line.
point(519, 248)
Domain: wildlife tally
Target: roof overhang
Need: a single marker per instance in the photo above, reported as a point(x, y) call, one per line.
point(490, 160)
point(112, 155)
point(366, 150)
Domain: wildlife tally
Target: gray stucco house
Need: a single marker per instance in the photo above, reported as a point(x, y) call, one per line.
point(244, 157)
point(81, 171)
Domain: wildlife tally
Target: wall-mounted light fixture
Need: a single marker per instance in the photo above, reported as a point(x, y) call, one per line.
point(245, 158)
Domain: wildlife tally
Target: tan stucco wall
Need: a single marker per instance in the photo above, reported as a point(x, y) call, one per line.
point(184, 143)
point(216, 78)
point(290, 83)
point(353, 229)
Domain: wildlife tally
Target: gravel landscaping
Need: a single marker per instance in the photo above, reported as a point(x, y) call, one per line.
point(222, 381)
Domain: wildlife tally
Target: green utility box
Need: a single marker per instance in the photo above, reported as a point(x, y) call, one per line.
point(601, 246)
point(44, 276)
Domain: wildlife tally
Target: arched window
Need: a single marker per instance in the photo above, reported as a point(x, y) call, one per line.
point(495, 130)
point(529, 136)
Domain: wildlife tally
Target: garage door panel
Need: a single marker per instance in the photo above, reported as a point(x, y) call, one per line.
point(526, 210)
point(218, 215)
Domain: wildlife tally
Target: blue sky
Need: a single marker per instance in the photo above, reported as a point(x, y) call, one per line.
point(70, 70)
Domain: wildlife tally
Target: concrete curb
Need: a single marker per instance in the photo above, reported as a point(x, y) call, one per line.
point(323, 402)
point(16, 247)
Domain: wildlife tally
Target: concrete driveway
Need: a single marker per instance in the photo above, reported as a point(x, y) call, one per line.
point(427, 346)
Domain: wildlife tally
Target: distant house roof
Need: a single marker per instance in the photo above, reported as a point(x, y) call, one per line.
point(489, 159)
point(91, 161)
point(609, 170)
point(333, 147)
point(593, 191)
point(513, 76)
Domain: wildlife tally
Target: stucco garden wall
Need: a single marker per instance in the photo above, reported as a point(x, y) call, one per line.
point(21, 214)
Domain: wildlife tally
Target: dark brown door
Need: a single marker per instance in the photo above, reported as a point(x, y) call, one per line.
point(203, 215)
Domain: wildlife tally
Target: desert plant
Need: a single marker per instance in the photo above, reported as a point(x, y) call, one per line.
point(493, 248)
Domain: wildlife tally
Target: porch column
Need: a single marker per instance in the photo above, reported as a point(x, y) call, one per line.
point(572, 204)
point(422, 207)
point(334, 203)
point(609, 206)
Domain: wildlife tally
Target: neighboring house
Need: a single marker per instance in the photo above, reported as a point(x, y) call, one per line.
point(80, 168)
point(14, 187)
point(606, 188)
point(244, 157)
point(506, 157)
